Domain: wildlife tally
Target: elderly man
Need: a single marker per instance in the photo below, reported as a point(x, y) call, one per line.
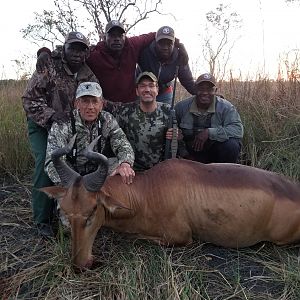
point(145, 123)
point(211, 126)
point(49, 98)
point(162, 57)
point(88, 121)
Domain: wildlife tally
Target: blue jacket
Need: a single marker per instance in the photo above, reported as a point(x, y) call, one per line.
point(225, 120)
point(165, 72)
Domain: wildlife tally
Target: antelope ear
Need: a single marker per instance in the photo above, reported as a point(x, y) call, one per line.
point(56, 192)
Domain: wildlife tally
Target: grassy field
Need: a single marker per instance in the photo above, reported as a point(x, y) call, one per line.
point(31, 268)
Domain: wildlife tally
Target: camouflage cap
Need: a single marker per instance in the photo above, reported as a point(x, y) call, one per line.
point(89, 89)
point(76, 37)
point(165, 32)
point(206, 77)
point(146, 74)
point(112, 24)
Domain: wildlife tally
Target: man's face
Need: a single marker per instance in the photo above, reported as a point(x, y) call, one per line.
point(205, 92)
point(75, 54)
point(89, 107)
point(115, 39)
point(147, 90)
point(164, 48)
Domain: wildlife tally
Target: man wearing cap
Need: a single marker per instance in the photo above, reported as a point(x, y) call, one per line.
point(161, 58)
point(112, 60)
point(89, 122)
point(145, 123)
point(49, 98)
point(211, 126)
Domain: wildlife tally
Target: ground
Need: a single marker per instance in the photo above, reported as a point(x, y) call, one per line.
point(32, 268)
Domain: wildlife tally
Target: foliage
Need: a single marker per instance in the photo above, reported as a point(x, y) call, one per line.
point(51, 26)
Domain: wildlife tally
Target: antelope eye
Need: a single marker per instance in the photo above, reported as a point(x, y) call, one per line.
point(90, 217)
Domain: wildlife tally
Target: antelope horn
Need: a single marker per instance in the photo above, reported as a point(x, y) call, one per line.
point(66, 174)
point(94, 181)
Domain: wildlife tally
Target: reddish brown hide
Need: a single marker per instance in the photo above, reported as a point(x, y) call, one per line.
point(177, 200)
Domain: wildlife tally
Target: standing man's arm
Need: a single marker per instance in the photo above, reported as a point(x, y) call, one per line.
point(35, 102)
point(184, 73)
point(186, 78)
point(140, 42)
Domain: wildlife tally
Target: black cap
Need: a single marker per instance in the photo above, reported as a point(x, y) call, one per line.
point(76, 37)
point(206, 77)
point(165, 32)
point(112, 24)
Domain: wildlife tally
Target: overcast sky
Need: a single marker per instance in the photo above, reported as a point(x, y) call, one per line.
point(270, 29)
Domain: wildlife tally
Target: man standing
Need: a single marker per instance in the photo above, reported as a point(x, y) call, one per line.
point(113, 61)
point(211, 126)
point(89, 122)
point(145, 123)
point(49, 97)
point(162, 57)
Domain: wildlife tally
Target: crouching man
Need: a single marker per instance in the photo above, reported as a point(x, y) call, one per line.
point(88, 121)
point(211, 126)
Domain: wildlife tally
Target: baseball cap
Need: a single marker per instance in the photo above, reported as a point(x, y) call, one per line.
point(146, 74)
point(165, 32)
point(112, 24)
point(74, 36)
point(206, 77)
point(88, 89)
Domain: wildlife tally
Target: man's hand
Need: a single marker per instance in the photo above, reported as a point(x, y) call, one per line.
point(59, 117)
point(43, 62)
point(169, 133)
point(126, 172)
point(200, 140)
point(182, 55)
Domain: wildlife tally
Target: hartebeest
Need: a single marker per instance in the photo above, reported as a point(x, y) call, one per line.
point(229, 205)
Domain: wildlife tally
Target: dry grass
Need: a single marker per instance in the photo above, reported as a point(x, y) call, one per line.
point(31, 268)
point(15, 154)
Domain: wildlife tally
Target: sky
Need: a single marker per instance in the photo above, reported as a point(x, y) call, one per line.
point(269, 31)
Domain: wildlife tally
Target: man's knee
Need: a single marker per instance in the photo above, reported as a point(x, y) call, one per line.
point(228, 151)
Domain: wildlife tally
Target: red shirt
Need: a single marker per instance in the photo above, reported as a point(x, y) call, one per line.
point(117, 76)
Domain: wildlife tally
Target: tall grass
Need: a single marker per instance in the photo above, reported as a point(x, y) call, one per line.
point(15, 154)
point(270, 111)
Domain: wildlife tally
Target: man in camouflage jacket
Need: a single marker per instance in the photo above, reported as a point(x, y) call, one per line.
point(145, 123)
point(49, 97)
point(90, 122)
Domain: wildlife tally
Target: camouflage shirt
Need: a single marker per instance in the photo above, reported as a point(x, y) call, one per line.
point(146, 131)
point(106, 126)
point(53, 91)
